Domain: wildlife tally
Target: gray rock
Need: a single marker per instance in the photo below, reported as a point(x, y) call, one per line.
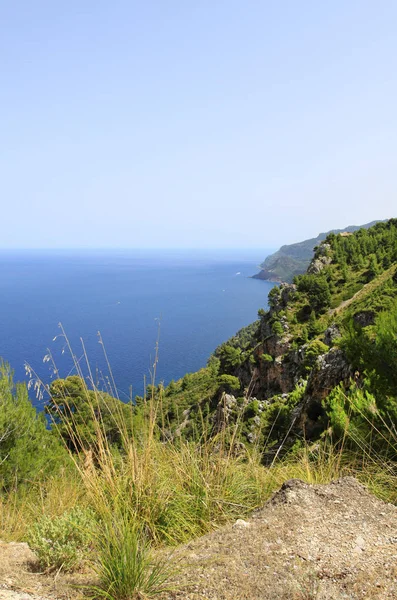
point(318, 264)
point(364, 318)
point(331, 334)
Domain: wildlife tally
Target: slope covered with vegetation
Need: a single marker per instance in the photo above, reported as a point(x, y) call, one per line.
point(323, 355)
point(293, 259)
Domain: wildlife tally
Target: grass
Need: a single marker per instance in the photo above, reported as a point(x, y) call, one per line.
point(150, 494)
point(125, 566)
point(54, 496)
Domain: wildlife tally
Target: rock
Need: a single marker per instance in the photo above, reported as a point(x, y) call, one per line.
point(241, 524)
point(359, 541)
point(364, 318)
point(286, 291)
point(321, 260)
point(331, 334)
point(331, 369)
point(307, 541)
point(225, 407)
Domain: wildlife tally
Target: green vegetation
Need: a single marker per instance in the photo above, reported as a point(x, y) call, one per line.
point(307, 391)
point(125, 565)
point(351, 286)
point(62, 542)
point(76, 411)
point(27, 448)
point(294, 259)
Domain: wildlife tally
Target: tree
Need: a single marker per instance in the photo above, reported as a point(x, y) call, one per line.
point(317, 290)
point(229, 384)
point(373, 269)
point(27, 448)
point(80, 414)
point(230, 358)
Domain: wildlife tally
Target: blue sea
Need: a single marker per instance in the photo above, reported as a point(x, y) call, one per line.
point(188, 301)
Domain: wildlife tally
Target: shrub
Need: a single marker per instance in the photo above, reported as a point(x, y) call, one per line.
point(312, 351)
point(62, 542)
point(230, 358)
point(229, 383)
point(277, 328)
point(267, 358)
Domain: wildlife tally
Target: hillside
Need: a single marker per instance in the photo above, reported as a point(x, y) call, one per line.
point(320, 357)
point(294, 259)
point(324, 542)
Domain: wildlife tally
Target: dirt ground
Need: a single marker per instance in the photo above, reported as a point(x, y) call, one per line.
point(21, 580)
point(325, 542)
point(308, 542)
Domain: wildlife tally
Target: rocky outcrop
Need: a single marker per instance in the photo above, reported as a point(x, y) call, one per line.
point(226, 406)
point(364, 318)
point(331, 370)
point(331, 334)
point(321, 260)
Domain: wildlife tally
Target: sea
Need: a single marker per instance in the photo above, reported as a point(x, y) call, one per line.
point(128, 314)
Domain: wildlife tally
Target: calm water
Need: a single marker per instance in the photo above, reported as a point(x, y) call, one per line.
point(201, 299)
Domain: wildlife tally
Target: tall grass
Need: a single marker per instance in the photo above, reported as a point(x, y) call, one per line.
point(125, 565)
point(149, 492)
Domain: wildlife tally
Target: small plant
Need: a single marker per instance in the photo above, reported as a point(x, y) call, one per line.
point(62, 542)
point(124, 564)
point(266, 358)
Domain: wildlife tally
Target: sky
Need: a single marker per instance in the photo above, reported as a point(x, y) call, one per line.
point(206, 123)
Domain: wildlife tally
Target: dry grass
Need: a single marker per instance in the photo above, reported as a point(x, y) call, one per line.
point(19, 509)
point(176, 491)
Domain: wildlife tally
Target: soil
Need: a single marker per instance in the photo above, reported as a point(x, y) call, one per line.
point(318, 542)
point(309, 542)
point(20, 578)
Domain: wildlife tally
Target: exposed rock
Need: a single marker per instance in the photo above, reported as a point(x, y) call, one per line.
point(331, 369)
point(286, 291)
point(364, 318)
point(226, 405)
point(318, 264)
point(323, 249)
point(331, 334)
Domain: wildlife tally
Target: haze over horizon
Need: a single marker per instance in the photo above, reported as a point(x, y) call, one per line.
point(205, 125)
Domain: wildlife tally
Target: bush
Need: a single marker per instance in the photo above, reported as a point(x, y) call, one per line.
point(312, 351)
point(62, 542)
point(229, 383)
point(277, 328)
point(267, 358)
point(230, 358)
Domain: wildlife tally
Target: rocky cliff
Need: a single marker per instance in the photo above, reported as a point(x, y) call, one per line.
point(294, 259)
point(291, 374)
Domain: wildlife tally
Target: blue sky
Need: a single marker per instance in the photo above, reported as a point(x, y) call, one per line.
point(195, 124)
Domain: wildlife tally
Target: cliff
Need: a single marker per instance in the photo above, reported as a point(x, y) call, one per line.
point(294, 259)
point(302, 368)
